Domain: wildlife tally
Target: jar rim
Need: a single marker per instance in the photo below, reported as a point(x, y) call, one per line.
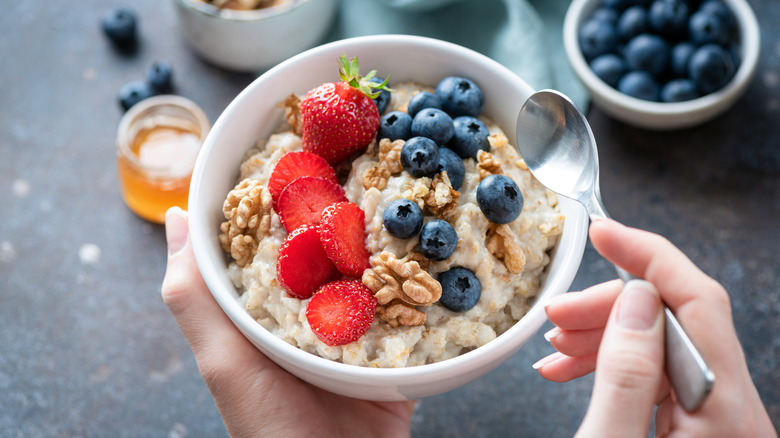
point(146, 108)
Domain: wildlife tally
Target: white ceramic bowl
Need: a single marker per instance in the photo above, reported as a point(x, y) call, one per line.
point(656, 115)
point(254, 114)
point(251, 41)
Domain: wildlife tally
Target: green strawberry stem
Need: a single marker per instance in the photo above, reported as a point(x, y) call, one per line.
point(349, 72)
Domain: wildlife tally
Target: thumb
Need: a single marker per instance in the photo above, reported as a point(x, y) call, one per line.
point(629, 368)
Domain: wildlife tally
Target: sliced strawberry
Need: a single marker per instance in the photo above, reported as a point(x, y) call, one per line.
point(343, 235)
point(341, 312)
point(302, 265)
point(303, 200)
point(296, 164)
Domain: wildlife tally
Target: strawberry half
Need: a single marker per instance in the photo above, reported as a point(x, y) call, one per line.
point(340, 118)
point(343, 235)
point(302, 201)
point(341, 312)
point(293, 165)
point(302, 265)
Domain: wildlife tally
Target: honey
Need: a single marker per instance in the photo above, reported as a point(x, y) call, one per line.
point(157, 144)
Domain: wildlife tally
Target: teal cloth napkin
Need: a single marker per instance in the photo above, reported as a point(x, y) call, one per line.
point(523, 35)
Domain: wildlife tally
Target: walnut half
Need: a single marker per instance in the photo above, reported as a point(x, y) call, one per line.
point(400, 282)
point(247, 211)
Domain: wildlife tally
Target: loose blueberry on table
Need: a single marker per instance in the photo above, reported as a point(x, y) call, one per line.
point(672, 50)
point(159, 74)
point(134, 92)
point(119, 25)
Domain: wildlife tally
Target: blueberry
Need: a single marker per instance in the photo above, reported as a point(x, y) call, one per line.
point(421, 101)
point(120, 24)
point(617, 4)
point(499, 198)
point(434, 124)
point(639, 84)
point(383, 100)
point(632, 22)
point(597, 37)
point(605, 13)
point(438, 240)
point(402, 218)
point(460, 289)
point(395, 125)
point(718, 8)
point(681, 54)
point(705, 27)
point(711, 67)
point(159, 74)
point(134, 92)
point(460, 96)
point(452, 163)
point(679, 90)
point(469, 137)
point(609, 68)
point(669, 18)
point(647, 52)
point(420, 157)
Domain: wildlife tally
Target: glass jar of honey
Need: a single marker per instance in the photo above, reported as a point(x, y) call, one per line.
point(156, 145)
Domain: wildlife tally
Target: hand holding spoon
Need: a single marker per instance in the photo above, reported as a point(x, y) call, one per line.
point(558, 146)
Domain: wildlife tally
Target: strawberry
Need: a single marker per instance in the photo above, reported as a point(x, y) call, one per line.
point(343, 235)
point(341, 312)
point(302, 265)
point(303, 200)
point(296, 164)
point(340, 118)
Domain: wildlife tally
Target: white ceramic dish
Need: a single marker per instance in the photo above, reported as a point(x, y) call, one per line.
point(655, 115)
point(251, 41)
point(254, 114)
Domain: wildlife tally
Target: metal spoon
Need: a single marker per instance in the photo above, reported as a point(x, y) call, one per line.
point(558, 146)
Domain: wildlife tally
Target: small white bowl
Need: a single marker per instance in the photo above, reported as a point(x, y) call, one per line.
point(657, 115)
point(251, 41)
point(254, 114)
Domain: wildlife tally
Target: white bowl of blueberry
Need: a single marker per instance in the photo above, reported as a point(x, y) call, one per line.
point(663, 64)
point(372, 253)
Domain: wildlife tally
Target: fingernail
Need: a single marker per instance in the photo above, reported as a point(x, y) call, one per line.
point(639, 306)
point(175, 230)
point(547, 360)
point(555, 331)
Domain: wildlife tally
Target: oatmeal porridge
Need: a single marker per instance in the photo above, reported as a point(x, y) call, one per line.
point(411, 326)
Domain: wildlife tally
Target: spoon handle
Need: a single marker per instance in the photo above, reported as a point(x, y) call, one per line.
point(689, 374)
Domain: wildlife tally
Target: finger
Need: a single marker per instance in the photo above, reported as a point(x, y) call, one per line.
point(701, 304)
point(655, 259)
point(575, 343)
point(629, 368)
point(584, 310)
point(558, 367)
point(208, 330)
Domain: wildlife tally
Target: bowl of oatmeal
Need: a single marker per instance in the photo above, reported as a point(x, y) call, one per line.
point(422, 348)
point(253, 35)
